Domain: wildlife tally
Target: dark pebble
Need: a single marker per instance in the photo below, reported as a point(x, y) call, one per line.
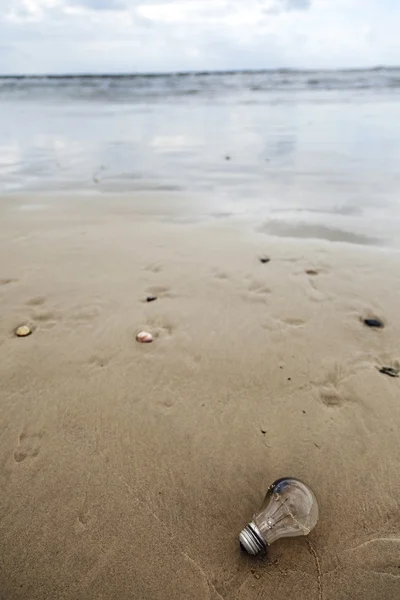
point(391, 371)
point(373, 323)
point(264, 260)
point(227, 158)
point(263, 431)
point(151, 298)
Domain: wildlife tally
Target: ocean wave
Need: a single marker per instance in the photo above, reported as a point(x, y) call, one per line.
point(154, 85)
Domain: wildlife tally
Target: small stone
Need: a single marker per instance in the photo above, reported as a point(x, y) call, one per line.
point(227, 157)
point(23, 331)
point(264, 260)
point(144, 337)
point(312, 272)
point(373, 323)
point(151, 298)
point(391, 371)
point(263, 431)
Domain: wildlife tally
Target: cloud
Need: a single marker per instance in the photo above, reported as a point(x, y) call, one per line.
point(298, 4)
point(286, 6)
point(99, 4)
point(163, 35)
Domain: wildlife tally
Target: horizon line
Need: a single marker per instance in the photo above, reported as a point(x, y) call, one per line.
point(83, 74)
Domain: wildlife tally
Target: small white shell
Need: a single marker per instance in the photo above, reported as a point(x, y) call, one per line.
point(23, 331)
point(144, 337)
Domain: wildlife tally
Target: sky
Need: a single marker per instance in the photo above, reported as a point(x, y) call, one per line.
point(112, 36)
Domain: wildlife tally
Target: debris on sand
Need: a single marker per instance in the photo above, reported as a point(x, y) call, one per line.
point(144, 337)
point(391, 371)
point(375, 322)
point(23, 331)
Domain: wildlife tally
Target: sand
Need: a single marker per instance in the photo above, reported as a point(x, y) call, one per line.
point(127, 470)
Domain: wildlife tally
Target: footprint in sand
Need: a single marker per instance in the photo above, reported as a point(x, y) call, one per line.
point(331, 389)
point(7, 281)
point(221, 275)
point(47, 318)
point(279, 325)
point(157, 291)
point(331, 396)
point(313, 288)
point(29, 446)
point(160, 327)
point(83, 517)
point(168, 403)
point(82, 520)
point(294, 321)
point(99, 361)
point(37, 301)
point(258, 289)
point(86, 313)
point(154, 267)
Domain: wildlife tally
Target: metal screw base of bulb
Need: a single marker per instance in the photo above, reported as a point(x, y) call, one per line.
point(251, 539)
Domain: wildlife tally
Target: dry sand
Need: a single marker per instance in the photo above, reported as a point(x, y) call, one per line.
point(128, 470)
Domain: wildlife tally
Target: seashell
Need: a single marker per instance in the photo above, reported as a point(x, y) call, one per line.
point(374, 322)
point(23, 331)
point(144, 337)
point(391, 371)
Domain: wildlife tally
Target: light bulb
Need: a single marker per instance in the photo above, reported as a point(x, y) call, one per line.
point(289, 509)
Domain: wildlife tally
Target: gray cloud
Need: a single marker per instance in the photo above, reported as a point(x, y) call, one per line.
point(297, 4)
point(99, 4)
point(281, 6)
point(288, 6)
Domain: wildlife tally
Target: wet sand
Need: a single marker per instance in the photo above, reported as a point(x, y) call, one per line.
point(127, 470)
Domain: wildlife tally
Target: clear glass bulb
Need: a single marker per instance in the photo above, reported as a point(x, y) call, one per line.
point(289, 509)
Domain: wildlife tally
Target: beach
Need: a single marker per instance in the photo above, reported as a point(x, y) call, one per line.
point(128, 470)
point(311, 154)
